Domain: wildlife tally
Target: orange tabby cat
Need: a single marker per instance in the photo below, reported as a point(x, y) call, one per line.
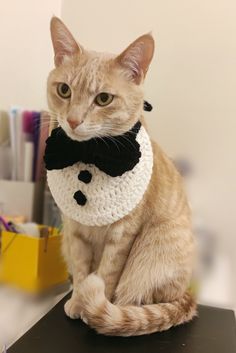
point(130, 277)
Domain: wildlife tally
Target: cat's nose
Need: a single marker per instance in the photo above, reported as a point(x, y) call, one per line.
point(74, 123)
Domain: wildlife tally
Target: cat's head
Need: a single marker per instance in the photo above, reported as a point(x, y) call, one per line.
point(95, 94)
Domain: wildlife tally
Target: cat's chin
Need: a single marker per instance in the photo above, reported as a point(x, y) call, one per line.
point(77, 136)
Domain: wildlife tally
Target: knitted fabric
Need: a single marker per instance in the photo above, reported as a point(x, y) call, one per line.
point(61, 151)
point(108, 199)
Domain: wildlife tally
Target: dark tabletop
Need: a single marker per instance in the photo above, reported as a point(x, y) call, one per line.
point(212, 332)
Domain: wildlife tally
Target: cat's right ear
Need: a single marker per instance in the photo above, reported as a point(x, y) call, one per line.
point(137, 57)
point(63, 42)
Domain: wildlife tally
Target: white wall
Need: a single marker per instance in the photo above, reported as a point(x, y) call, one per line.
point(25, 54)
point(191, 84)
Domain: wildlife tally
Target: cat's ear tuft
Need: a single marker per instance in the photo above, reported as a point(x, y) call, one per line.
point(137, 57)
point(63, 42)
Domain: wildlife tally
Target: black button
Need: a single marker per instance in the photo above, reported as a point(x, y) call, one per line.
point(80, 198)
point(85, 176)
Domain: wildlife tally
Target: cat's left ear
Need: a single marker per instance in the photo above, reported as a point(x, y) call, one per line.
point(63, 42)
point(137, 57)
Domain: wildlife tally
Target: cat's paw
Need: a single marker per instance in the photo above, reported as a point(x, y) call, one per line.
point(91, 292)
point(91, 287)
point(72, 308)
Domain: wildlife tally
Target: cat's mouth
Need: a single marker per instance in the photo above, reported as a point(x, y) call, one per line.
point(80, 133)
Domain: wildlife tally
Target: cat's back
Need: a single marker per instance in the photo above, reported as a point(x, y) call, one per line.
point(166, 195)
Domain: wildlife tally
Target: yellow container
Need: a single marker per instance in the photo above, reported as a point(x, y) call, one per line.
point(30, 263)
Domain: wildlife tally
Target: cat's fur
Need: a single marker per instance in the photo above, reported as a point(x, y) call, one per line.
point(131, 277)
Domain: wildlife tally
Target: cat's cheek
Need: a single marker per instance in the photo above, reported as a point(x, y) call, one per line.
point(60, 104)
point(57, 104)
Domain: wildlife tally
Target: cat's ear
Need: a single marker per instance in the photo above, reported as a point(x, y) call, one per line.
point(137, 57)
point(63, 42)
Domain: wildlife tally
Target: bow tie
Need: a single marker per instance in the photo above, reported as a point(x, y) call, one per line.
point(113, 155)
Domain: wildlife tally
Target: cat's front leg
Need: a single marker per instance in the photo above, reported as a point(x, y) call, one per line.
point(159, 266)
point(79, 258)
point(116, 250)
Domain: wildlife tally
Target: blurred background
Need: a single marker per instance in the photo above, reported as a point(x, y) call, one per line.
point(191, 84)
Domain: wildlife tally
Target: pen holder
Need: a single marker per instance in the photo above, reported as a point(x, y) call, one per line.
point(32, 264)
point(20, 198)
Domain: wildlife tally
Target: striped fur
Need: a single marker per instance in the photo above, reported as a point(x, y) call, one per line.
point(116, 320)
point(131, 277)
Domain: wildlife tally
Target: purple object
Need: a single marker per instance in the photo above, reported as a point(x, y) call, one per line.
point(28, 126)
point(36, 130)
point(5, 224)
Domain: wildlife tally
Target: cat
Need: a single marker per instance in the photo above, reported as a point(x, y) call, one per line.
point(130, 277)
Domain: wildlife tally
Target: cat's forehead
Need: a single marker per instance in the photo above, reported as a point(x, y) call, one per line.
point(89, 72)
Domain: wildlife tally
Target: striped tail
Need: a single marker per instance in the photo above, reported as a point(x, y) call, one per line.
point(114, 320)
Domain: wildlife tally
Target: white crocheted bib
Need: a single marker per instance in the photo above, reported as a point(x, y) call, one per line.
point(108, 199)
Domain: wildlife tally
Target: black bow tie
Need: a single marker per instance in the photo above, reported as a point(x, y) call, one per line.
point(113, 155)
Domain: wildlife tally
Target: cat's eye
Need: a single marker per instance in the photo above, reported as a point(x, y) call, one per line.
point(63, 90)
point(103, 99)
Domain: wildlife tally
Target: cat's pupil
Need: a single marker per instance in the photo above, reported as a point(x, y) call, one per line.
point(64, 88)
point(104, 97)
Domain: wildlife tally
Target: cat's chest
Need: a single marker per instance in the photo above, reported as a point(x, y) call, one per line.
point(93, 198)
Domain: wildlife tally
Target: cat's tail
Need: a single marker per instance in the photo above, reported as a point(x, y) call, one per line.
point(114, 320)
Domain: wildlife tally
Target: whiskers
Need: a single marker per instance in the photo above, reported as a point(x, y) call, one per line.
point(102, 139)
point(47, 119)
point(111, 132)
point(107, 132)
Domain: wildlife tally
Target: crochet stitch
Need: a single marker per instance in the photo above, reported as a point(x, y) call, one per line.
point(113, 155)
point(104, 199)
